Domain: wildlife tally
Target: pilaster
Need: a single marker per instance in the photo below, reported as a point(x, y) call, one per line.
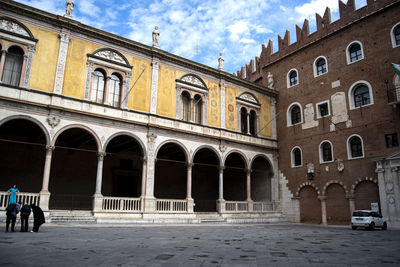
point(323, 209)
point(28, 66)
point(154, 85)
point(223, 92)
point(62, 57)
point(149, 200)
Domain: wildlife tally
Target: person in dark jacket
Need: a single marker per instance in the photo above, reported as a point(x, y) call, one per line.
point(25, 212)
point(38, 217)
point(11, 211)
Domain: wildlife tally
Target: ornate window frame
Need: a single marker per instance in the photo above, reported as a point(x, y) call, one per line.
point(193, 85)
point(348, 54)
point(110, 61)
point(249, 102)
point(351, 94)
point(288, 78)
point(17, 34)
point(316, 69)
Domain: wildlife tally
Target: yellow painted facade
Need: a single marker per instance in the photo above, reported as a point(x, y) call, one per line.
point(139, 96)
point(45, 59)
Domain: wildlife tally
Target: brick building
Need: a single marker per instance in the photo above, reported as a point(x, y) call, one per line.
point(338, 112)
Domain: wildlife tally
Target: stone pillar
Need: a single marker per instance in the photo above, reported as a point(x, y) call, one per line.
point(28, 66)
point(125, 91)
point(21, 79)
point(323, 209)
point(154, 85)
point(382, 189)
point(221, 201)
point(98, 197)
point(191, 119)
point(248, 183)
point(395, 200)
point(248, 121)
point(44, 193)
point(352, 205)
point(149, 200)
point(62, 57)
point(189, 198)
point(2, 61)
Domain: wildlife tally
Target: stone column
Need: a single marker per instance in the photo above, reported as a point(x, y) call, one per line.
point(98, 197)
point(191, 119)
point(62, 58)
point(396, 191)
point(125, 91)
point(2, 61)
point(248, 122)
point(189, 198)
point(323, 209)
point(154, 85)
point(44, 193)
point(221, 201)
point(248, 182)
point(107, 85)
point(149, 200)
point(21, 80)
point(143, 188)
point(352, 205)
point(382, 189)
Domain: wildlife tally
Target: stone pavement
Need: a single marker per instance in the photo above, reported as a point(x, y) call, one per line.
point(200, 245)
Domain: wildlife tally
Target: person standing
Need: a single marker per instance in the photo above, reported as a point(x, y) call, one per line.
point(25, 212)
point(38, 217)
point(11, 211)
point(13, 192)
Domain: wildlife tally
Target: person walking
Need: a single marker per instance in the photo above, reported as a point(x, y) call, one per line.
point(13, 192)
point(25, 212)
point(38, 217)
point(11, 211)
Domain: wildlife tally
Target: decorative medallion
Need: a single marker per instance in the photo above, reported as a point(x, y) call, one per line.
point(53, 121)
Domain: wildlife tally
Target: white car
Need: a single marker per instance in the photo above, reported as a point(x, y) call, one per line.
point(367, 219)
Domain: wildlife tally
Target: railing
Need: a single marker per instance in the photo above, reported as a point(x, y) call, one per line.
point(171, 205)
point(24, 198)
point(262, 206)
point(236, 206)
point(121, 204)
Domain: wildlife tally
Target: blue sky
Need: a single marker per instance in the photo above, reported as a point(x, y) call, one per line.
point(199, 29)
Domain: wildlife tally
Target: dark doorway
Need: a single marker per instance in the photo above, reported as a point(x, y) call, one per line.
point(261, 180)
point(170, 173)
point(22, 150)
point(205, 180)
point(73, 171)
point(122, 169)
point(235, 188)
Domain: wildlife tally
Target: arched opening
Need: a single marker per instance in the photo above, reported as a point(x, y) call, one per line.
point(337, 206)
point(261, 180)
point(73, 171)
point(170, 172)
point(197, 109)
point(366, 193)
point(205, 180)
point(98, 83)
point(235, 178)
point(253, 122)
point(185, 106)
point(310, 206)
point(13, 66)
point(243, 120)
point(22, 144)
point(122, 169)
point(114, 92)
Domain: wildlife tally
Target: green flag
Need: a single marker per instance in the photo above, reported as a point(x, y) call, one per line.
point(396, 68)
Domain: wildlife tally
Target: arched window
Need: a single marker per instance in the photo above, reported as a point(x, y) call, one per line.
point(186, 106)
point(114, 90)
point(321, 66)
point(355, 147)
point(243, 120)
point(197, 108)
point(252, 122)
point(395, 35)
point(98, 82)
point(326, 152)
point(296, 157)
point(13, 66)
point(355, 52)
point(361, 96)
point(295, 114)
point(292, 78)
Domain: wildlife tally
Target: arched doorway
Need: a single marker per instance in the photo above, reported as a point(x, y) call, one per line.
point(205, 180)
point(73, 170)
point(261, 173)
point(366, 193)
point(337, 206)
point(235, 188)
point(122, 169)
point(22, 144)
point(170, 176)
point(310, 206)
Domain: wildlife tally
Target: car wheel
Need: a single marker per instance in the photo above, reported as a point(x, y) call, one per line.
point(354, 227)
point(384, 227)
point(372, 226)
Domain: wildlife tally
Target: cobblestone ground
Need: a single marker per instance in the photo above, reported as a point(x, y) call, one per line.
point(200, 245)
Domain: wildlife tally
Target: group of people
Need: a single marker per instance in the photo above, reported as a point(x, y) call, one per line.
point(14, 208)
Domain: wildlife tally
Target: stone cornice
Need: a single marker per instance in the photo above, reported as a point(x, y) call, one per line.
point(75, 26)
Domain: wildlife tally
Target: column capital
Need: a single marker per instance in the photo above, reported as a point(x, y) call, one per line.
point(322, 198)
point(101, 155)
point(50, 148)
point(394, 169)
point(189, 165)
point(248, 171)
point(221, 168)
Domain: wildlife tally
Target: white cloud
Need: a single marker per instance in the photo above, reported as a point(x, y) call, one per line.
point(315, 6)
point(88, 7)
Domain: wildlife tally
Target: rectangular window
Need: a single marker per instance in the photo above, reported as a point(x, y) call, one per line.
point(391, 140)
point(323, 109)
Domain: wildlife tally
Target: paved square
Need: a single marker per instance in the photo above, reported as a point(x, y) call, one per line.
point(200, 245)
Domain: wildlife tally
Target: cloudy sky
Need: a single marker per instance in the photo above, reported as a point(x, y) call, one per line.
point(199, 29)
